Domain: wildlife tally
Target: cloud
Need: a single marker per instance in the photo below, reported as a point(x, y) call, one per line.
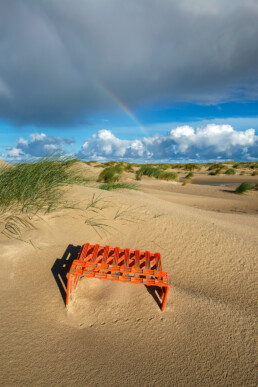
point(57, 55)
point(181, 143)
point(39, 145)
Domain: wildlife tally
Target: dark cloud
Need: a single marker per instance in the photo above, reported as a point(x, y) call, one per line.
point(56, 54)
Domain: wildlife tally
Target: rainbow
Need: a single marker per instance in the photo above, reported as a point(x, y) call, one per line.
point(120, 103)
point(126, 110)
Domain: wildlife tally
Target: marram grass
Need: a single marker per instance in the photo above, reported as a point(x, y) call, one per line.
point(28, 189)
point(157, 173)
point(230, 171)
point(36, 186)
point(245, 187)
point(111, 174)
point(189, 175)
point(112, 186)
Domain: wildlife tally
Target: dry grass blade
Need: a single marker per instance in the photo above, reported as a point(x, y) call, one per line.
point(13, 225)
point(128, 214)
point(94, 203)
point(97, 224)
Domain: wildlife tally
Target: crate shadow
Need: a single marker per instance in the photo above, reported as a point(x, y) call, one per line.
point(61, 268)
point(156, 293)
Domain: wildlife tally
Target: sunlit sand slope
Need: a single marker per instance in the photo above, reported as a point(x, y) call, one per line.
point(114, 334)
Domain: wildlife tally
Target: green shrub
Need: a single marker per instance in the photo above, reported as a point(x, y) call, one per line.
point(147, 171)
point(189, 175)
point(128, 168)
point(111, 174)
point(255, 173)
point(244, 187)
point(177, 166)
point(214, 173)
point(110, 164)
point(215, 166)
point(230, 171)
point(157, 173)
point(191, 166)
point(169, 176)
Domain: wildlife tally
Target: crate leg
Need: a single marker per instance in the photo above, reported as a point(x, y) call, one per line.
point(68, 288)
point(72, 282)
point(164, 297)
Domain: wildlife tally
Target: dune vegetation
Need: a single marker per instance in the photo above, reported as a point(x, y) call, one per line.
point(121, 185)
point(245, 187)
point(188, 178)
point(230, 171)
point(155, 172)
point(30, 189)
point(111, 174)
point(189, 175)
point(214, 168)
point(33, 188)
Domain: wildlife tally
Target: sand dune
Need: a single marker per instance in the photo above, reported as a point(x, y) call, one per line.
point(3, 164)
point(114, 334)
point(210, 198)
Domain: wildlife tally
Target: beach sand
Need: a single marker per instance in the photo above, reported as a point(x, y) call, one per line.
point(114, 334)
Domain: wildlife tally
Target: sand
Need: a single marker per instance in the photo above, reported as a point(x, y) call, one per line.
point(114, 334)
point(4, 164)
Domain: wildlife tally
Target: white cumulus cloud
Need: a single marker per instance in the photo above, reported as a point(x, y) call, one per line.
point(39, 145)
point(181, 143)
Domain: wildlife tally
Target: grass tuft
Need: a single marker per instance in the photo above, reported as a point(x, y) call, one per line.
point(112, 186)
point(36, 186)
point(12, 225)
point(111, 174)
point(191, 166)
point(157, 173)
point(216, 172)
point(230, 171)
point(244, 187)
point(215, 166)
point(129, 168)
point(27, 189)
point(189, 175)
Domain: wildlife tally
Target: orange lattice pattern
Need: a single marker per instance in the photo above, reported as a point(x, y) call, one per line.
point(117, 264)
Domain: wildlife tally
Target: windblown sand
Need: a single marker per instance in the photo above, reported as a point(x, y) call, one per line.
point(114, 334)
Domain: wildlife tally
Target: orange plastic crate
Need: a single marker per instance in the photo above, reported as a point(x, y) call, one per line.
point(115, 264)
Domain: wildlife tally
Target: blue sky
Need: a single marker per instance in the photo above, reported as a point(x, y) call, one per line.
point(179, 85)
